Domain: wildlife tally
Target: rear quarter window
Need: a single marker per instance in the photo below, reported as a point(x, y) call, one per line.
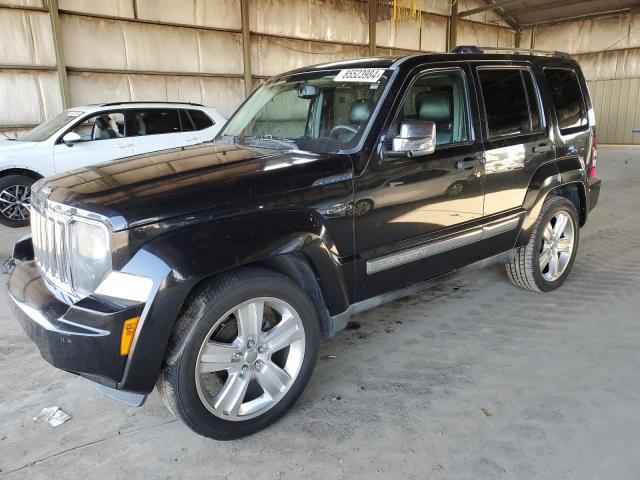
point(200, 119)
point(571, 108)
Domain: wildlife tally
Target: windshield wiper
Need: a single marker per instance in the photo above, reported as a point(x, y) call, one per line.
point(272, 140)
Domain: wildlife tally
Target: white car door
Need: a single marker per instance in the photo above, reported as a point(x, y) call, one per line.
point(103, 138)
point(158, 129)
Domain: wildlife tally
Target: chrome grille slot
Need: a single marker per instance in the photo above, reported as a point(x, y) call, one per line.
point(49, 235)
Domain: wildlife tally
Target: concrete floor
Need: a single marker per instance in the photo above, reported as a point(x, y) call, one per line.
point(475, 379)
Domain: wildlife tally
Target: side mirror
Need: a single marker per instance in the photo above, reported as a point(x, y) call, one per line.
point(70, 138)
point(417, 138)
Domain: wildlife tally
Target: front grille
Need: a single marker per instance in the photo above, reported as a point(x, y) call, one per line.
point(49, 233)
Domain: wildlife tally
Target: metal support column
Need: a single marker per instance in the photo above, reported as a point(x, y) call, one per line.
point(246, 47)
point(57, 45)
point(452, 39)
point(373, 17)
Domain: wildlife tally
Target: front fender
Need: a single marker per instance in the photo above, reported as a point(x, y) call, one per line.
point(181, 259)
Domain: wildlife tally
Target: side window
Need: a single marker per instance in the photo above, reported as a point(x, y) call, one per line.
point(185, 122)
point(441, 98)
point(156, 121)
point(571, 108)
point(200, 119)
point(510, 102)
point(102, 126)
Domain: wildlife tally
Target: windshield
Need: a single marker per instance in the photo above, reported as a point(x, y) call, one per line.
point(48, 128)
point(313, 111)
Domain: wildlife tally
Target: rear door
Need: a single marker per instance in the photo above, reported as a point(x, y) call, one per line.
point(157, 129)
point(517, 139)
point(415, 218)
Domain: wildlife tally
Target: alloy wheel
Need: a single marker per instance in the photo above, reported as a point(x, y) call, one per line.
point(250, 359)
point(15, 202)
point(558, 239)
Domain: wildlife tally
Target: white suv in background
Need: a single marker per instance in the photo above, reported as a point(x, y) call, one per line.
point(93, 134)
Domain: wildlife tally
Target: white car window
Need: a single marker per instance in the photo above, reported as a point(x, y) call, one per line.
point(101, 126)
point(156, 121)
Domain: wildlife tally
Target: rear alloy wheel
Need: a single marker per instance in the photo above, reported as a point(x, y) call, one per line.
point(15, 200)
point(241, 354)
point(557, 246)
point(545, 261)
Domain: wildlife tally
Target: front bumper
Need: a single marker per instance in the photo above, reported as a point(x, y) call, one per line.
point(83, 338)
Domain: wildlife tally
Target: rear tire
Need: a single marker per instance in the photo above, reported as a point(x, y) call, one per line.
point(230, 336)
point(15, 200)
point(545, 261)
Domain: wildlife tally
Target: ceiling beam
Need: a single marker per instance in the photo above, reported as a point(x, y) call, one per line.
point(573, 18)
point(546, 6)
point(512, 22)
point(493, 6)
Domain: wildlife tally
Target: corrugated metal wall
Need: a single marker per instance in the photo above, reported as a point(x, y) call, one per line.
point(608, 49)
point(191, 50)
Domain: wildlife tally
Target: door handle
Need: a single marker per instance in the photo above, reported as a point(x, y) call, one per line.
point(124, 145)
point(190, 139)
point(542, 148)
point(470, 162)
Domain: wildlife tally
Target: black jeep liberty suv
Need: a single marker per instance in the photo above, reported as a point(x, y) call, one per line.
point(213, 271)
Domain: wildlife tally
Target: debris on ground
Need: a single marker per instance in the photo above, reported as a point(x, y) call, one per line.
point(485, 412)
point(328, 357)
point(53, 416)
point(352, 326)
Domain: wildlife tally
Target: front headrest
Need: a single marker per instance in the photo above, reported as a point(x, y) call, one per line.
point(102, 123)
point(360, 111)
point(435, 107)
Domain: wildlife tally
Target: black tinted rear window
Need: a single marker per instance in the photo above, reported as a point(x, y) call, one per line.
point(567, 96)
point(508, 95)
point(200, 119)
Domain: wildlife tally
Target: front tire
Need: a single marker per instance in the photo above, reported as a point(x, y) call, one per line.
point(545, 261)
point(15, 200)
point(241, 354)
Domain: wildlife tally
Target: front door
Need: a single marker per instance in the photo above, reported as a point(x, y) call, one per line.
point(103, 138)
point(415, 217)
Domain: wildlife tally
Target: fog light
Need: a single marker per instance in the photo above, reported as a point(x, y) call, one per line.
point(128, 332)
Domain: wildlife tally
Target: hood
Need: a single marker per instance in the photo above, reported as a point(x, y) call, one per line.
point(10, 146)
point(148, 188)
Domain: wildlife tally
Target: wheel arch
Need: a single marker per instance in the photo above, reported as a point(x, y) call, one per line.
point(20, 171)
point(566, 178)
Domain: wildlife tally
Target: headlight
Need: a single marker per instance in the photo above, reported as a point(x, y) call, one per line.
point(89, 255)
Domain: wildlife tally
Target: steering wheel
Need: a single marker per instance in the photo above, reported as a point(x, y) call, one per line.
point(338, 128)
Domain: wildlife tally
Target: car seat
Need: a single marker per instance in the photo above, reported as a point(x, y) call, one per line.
point(436, 107)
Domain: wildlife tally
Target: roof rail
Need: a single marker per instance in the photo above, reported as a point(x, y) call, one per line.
point(525, 51)
point(151, 101)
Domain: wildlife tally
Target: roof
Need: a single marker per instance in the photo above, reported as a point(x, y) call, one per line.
point(468, 53)
point(94, 107)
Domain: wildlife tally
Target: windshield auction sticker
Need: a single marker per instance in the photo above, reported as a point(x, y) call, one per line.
point(363, 75)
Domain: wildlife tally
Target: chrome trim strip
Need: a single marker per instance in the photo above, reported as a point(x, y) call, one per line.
point(494, 229)
point(418, 253)
point(423, 251)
